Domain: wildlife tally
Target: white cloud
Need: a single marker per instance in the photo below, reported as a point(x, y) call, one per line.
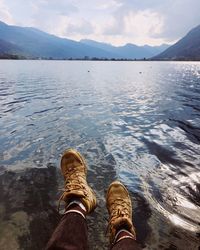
point(178, 16)
point(114, 21)
point(138, 27)
point(62, 7)
point(140, 23)
point(5, 15)
point(108, 5)
point(80, 26)
point(143, 23)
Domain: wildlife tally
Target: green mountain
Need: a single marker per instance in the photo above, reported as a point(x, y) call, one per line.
point(129, 50)
point(188, 48)
point(8, 48)
point(33, 43)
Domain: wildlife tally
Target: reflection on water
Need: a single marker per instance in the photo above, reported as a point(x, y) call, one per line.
point(140, 128)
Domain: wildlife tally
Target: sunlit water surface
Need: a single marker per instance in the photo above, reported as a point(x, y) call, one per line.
point(145, 114)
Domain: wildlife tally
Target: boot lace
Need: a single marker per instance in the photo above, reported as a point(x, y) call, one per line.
point(119, 209)
point(73, 182)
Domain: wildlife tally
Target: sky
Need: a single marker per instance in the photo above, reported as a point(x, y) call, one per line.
point(118, 22)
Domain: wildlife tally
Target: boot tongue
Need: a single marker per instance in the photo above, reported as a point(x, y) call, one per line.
point(73, 194)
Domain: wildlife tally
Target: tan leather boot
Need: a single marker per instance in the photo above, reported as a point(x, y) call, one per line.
point(74, 170)
point(119, 207)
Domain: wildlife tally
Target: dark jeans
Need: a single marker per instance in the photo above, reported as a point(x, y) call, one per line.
point(71, 234)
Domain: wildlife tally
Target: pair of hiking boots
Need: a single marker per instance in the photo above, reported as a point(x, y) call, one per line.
point(118, 202)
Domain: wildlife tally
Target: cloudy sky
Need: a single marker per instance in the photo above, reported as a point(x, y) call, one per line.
point(113, 21)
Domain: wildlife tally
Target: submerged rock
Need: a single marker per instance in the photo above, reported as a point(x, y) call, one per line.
point(28, 198)
point(27, 212)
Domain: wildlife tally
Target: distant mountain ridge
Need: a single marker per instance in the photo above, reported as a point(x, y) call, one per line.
point(138, 52)
point(34, 43)
point(187, 48)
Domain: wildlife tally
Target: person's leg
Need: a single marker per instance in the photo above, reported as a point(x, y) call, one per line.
point(121, 229)
point(71, 233)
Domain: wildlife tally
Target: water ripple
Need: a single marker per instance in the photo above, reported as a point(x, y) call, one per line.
point(146, 124)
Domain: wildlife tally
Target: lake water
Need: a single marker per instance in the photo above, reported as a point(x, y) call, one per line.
point(138, 122)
